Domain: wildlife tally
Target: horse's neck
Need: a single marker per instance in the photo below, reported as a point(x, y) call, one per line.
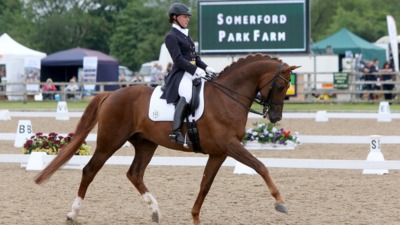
point(244, 79)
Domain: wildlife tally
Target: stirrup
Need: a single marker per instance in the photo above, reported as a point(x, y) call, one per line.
point(180, 139)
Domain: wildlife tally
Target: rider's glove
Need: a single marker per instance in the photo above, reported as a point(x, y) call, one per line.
point(210, 70)
point(199, 72)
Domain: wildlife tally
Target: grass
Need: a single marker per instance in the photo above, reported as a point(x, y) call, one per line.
point(289, 107)
point(36, 106)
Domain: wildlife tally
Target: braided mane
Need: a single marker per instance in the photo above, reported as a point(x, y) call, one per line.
point(246, 60)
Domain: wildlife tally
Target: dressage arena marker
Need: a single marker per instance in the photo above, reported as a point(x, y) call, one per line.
point(240, 168)
point(322, 116)
point(36, 161)
point(24, 131)
point(375, 154)
point(39, 160)
point(62, 111)
point(384, 112)
point(5, 115)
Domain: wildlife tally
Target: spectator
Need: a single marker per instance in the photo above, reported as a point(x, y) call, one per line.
point(138, 78)
point(169, 68)
point(72, 87)
point(387, 68)
point(369, 69)
point(155, 75)
point(48, 87)
point(375, 64)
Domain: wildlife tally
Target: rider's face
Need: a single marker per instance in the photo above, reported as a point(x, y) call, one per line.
point(183, 20)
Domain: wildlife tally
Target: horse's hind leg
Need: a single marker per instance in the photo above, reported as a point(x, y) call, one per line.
point(144, 151)
point(239, 153)
point(97, 161)
point(210, 171)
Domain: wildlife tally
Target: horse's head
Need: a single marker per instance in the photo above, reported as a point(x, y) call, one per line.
point(273, 89)
point(257, 73)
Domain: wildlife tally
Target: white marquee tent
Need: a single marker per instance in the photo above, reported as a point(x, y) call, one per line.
point(15, 57)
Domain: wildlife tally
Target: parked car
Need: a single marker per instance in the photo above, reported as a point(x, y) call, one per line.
point(145, 70)
point(123, 70)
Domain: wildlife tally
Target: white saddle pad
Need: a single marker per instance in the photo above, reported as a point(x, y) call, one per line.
point(159, 110)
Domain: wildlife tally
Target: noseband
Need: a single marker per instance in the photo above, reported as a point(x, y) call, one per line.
point(265, 102)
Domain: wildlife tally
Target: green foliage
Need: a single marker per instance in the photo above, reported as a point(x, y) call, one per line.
point(133, 30)
point(366, 18)
point(139, 34)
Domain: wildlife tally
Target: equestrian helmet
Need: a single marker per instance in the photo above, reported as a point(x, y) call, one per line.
point(179, 9)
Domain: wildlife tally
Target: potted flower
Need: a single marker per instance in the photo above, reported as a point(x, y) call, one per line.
point(51, 144)
point(269, 135)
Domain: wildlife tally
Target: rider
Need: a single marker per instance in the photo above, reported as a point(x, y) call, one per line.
point(187, 66)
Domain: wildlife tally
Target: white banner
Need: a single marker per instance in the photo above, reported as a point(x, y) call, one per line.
point(393, 40)
point(89, 73)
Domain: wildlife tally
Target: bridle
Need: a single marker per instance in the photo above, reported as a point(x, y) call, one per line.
point(265, 102)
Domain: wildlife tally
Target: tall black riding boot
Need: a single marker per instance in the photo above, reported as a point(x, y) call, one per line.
point(179, 116)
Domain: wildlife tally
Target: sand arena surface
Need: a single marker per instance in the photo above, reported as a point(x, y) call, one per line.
point(313, 196)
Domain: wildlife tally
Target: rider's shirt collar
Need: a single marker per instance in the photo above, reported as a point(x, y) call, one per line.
point(183, 31)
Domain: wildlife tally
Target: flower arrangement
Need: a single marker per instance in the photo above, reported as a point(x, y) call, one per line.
point(269, 133)
point(51, 144)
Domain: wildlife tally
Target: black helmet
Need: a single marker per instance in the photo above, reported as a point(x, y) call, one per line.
point(179, 9)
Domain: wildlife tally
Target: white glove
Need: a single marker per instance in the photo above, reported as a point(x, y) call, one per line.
point(199, 72)
point(210, 70)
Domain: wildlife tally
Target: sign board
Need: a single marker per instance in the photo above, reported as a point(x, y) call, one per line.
point(292, 90)
point(89, 73)
point(254, 26)
point(341, 80)
point(32, 74)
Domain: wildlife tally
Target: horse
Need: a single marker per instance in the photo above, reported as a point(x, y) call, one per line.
point(122, 115)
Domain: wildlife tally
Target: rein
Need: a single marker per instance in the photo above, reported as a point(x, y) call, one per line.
point(265, 103)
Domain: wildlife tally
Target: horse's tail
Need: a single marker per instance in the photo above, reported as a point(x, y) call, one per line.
point(85, 125)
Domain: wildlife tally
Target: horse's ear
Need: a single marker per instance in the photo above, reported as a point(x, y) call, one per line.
point(291, 68)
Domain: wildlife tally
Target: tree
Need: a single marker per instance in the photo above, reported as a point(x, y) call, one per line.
point(13, 20)
point(139, 34)
point(366, 18)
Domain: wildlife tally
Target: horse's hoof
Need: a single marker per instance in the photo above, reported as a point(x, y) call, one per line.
point(155, 217)
point(281, 208)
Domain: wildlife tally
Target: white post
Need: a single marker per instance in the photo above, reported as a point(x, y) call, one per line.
point(322, 116)
point(375, 154)
point(384, 112)
point(36, 161)
point(5, 115)
point(240, 168)
point(62, 111)
point(24, 132)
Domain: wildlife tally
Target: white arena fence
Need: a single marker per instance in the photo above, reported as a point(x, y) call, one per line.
point(80, 161)
point(201, 161)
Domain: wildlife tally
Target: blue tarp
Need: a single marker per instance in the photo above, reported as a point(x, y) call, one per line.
point(63, 65)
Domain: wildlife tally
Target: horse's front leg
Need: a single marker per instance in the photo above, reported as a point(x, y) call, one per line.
point(213, 164)
point(238, 152)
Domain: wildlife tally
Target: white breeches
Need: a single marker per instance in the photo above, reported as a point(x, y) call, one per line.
point(185, 86)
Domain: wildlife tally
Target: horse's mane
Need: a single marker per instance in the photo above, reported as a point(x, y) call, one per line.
point(245, 60)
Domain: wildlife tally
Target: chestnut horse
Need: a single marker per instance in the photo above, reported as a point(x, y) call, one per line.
point(122, 116)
